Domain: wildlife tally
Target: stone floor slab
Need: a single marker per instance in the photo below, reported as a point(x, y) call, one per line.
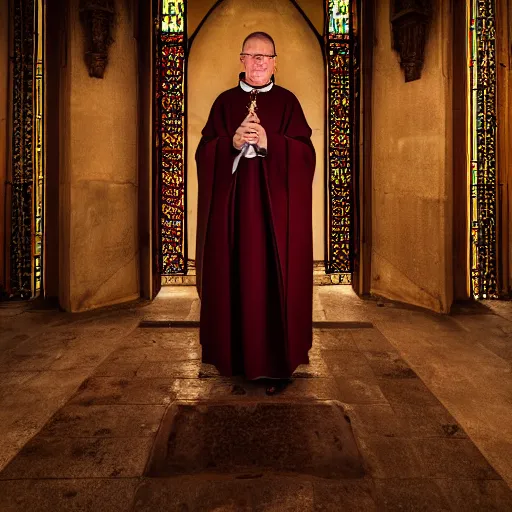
point(165, 338)
point(334, 339)
point(371, 340)
point(410, 495)
point(389, 365)
point(105, 421)
point(105, 495)
point(344, 363)
point(427, 421)
point(45, 457)
point(170, 369)
point(247, 437)
point(114, 390)
point(352, 495)
point(353, 390)
point(116, 369)
point(407, 391)
point(452, 459)
point(252, 493)
point(389, 458)
point(477, 495)
point(374, 420)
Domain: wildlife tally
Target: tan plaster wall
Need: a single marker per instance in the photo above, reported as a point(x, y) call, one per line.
point(98, 187)
point(412, 170)
point(4, 114)
point(224, 30)
point(196, 11)
point(314, 10)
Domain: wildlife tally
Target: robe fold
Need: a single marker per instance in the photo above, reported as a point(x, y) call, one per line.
point(254, 253)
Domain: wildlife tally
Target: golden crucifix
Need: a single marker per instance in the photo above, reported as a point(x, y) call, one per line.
point(252, 107)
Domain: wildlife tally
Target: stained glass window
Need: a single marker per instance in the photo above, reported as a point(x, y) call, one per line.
point(27, 151)
point(339, 17)
point(171, 134)
point(482, 79)
point(170, 139)
point(37, 249)
point(173, 16)
point(340, 65)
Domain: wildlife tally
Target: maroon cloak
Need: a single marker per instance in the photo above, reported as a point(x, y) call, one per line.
point(254, 255)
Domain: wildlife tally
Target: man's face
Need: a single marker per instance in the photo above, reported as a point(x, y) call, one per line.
point(258, 70)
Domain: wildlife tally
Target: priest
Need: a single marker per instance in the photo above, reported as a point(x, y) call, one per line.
point(254, 254)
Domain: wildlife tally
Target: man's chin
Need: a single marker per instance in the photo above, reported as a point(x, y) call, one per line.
point(259, 80)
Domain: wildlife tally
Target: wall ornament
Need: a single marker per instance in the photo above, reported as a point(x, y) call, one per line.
point(410, 21)
point(97, 17)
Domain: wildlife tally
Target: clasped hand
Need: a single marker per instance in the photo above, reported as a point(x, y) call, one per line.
point(250, 131)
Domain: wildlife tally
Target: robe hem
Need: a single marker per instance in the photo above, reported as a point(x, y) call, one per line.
point(245, 376)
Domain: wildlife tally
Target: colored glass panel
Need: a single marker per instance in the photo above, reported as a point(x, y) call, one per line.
point(37, 249)
point(22, 182)
point(173, 16)
point(482, 44)
point(170, 138)
point(339, 16)
point(340, 66)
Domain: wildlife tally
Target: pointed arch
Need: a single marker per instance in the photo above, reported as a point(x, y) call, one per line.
point(213, 66)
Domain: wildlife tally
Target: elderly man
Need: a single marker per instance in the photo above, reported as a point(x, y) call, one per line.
point(255, 166)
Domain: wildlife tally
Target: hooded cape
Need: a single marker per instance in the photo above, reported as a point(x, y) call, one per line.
point(227, 224)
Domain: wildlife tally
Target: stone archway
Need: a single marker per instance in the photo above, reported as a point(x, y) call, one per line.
point(327, 88)
point(213, 67)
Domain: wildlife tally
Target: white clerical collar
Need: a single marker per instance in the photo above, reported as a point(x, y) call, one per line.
point(248, 88)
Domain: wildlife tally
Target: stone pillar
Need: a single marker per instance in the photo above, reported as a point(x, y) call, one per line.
point(4, 116)
point(412, 169)
point(98, 170)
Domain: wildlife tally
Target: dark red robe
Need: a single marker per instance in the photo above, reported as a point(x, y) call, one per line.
point(254, 255)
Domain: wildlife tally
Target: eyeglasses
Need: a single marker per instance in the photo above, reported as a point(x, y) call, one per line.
point(258, 56)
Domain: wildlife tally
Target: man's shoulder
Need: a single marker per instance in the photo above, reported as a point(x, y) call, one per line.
point(227, 94)
point(285, 94)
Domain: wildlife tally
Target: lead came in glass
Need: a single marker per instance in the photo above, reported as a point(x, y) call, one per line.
point(339, 52)
point(171, 135)
point(482, 38)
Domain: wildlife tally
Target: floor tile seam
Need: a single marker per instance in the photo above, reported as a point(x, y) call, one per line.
point(251, 401)
point(464, 440)
point(69, 478)
point(438, 479)
point(363, 436)
point(71, 437)
point(88, 406)
point(111, 404)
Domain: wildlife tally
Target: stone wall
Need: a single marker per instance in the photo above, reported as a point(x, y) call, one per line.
point(98, 170)
point(412, 169)
point(214, 65)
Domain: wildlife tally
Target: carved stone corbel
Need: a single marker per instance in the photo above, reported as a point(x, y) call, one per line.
point(410, 21)
point(97, 18)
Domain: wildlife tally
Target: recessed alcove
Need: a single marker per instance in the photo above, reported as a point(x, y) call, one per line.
point(248, 438)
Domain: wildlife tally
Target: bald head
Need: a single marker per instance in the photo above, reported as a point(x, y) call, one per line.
point(260, 36)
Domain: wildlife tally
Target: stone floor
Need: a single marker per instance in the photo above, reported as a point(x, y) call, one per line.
point(399, 409)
